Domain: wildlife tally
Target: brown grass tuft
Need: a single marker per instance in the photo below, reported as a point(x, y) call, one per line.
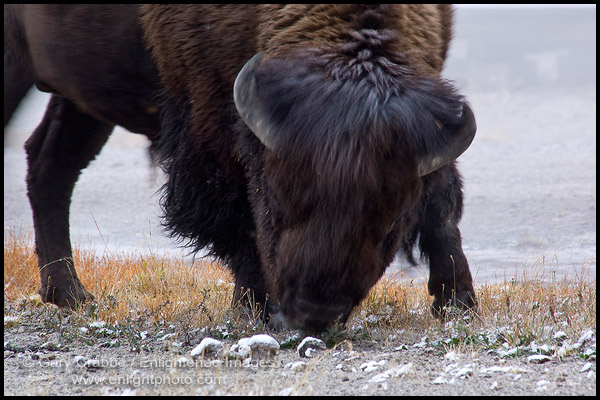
point(155, 291)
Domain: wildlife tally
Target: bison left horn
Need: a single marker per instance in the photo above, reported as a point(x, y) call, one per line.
point(460, 134)
point(248, 106)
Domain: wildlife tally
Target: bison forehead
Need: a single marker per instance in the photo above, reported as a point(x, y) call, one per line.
point(421, 32)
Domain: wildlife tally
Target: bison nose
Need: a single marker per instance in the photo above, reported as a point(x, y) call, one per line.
point(314, 317)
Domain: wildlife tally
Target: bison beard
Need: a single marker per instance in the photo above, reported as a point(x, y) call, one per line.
point(325, 186)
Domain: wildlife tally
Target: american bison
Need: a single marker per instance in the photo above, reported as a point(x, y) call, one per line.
point(305, 145)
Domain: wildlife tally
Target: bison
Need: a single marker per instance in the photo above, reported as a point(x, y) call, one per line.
point(305, 145)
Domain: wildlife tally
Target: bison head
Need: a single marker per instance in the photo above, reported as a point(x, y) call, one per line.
point(346, 143)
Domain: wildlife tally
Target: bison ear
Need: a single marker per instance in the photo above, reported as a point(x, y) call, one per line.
point(459, 135)
point(248, 103)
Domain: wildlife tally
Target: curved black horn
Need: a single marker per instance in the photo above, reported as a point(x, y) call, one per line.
point(461, 135)
point(248, 104)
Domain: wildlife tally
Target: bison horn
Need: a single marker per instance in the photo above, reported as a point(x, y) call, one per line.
point(247, 104)
point(246, 95)
point(461, 135)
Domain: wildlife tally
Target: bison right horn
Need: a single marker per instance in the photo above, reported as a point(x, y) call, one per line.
point(247, 102)
point(461, 135)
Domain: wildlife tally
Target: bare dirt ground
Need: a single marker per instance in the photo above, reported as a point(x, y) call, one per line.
point(45, 355)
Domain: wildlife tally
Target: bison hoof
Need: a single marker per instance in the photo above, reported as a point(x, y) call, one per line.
point(277, 322)
point(458, 304)
point(70, 296)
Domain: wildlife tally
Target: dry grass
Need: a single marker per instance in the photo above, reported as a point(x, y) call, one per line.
point(133, 290)
point(150, 291)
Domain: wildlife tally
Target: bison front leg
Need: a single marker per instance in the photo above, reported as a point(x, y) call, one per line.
point(250, 290)
point(450, 280)
point(61, 146)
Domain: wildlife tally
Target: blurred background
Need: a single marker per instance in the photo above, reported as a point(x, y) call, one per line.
point(529, 72)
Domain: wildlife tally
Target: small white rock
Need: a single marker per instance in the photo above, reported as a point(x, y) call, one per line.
point(79, 360)
point(93, 364)
point(586, 367)
point(296, 366)
point(450, 367)
point(310, 343)
point(591, 375)
point(538, 358)
point(585, 337)
point(237, 352)
point(564, 350)
point(497, 368)
point(560, 335)
point(97, 324)
point(286, 391)
point(464, 372)
point(184, 362)
point(422, 343)
point(392, 373)
point(440, 380)
point(372, 365)
point(208, 347)
point(46, 356)
point(260, 345)
point(494, 386)
point(541, 386)
point(451, 356)
point(590, 353)
point(168, 336)
point(10, 319)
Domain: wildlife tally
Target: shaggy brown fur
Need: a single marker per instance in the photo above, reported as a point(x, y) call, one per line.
point(355, 93)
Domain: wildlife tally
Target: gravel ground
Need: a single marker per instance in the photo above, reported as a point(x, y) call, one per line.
point(46, 358)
